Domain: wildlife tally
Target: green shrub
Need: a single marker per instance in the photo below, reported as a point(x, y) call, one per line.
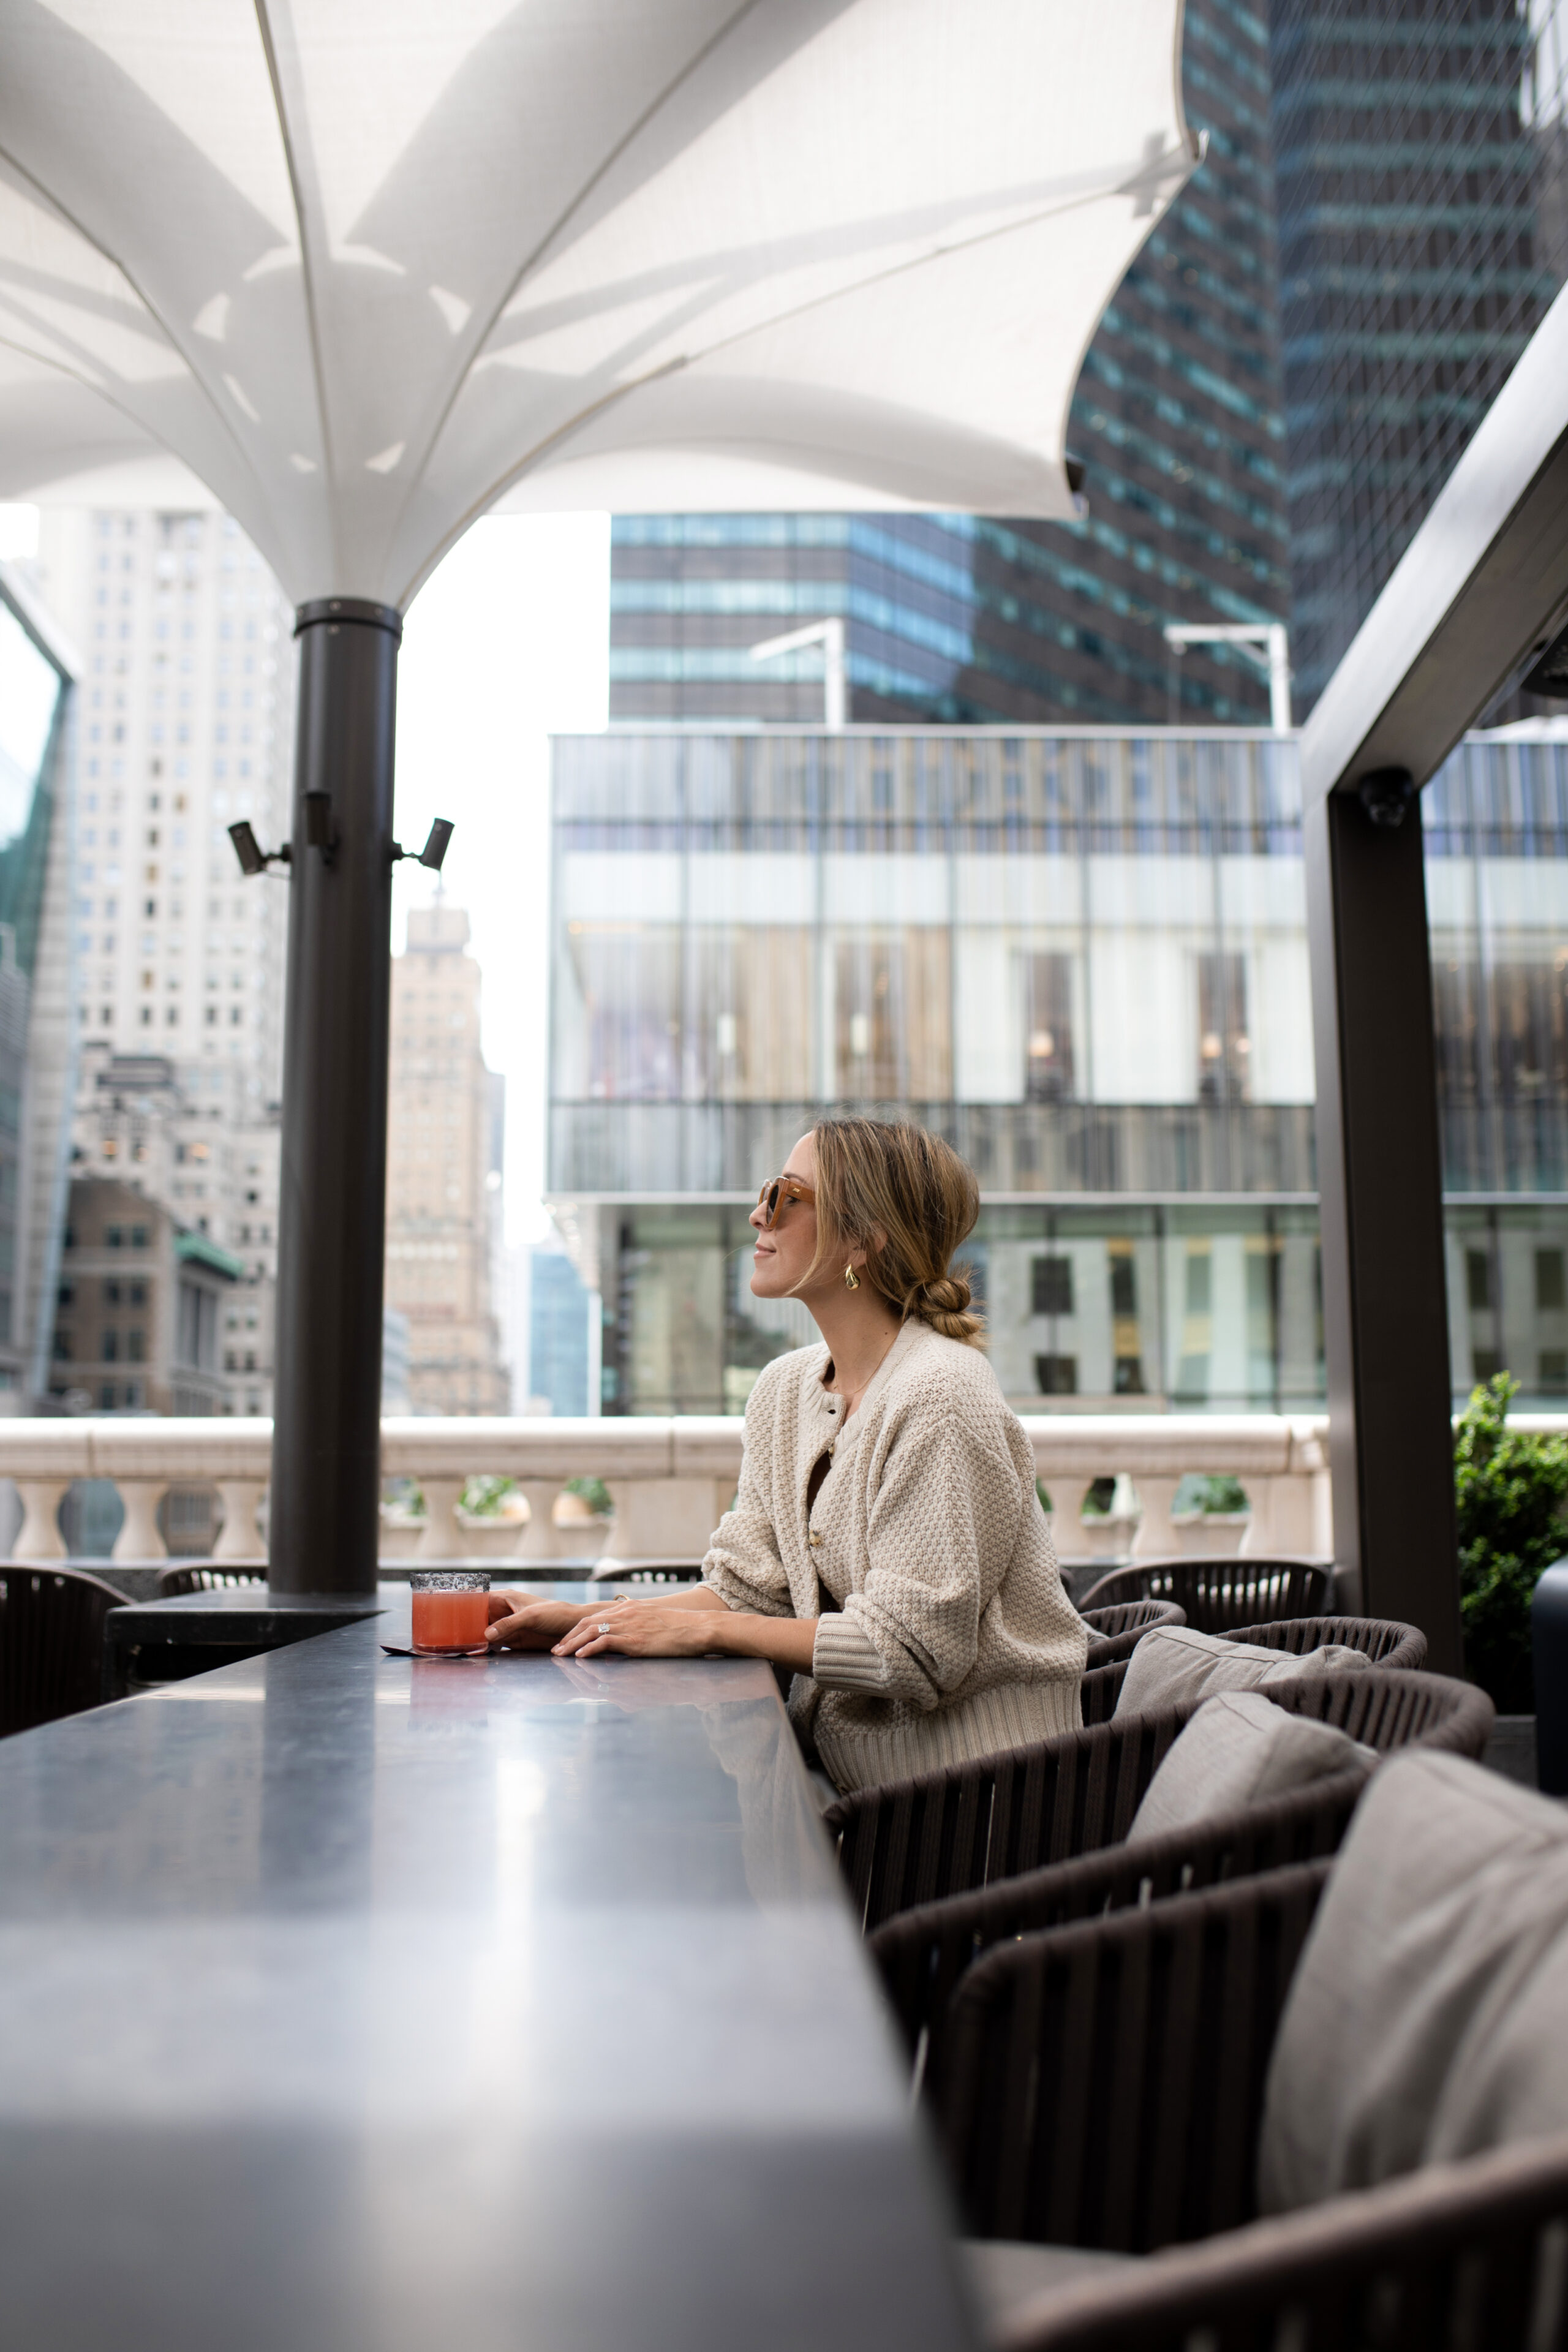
point(594, 1493)
point(485, 1498)
point(1509, 1491)
point(1210, 1492)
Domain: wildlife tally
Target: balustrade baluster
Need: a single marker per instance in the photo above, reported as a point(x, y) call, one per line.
point(539, 1540)
point(38, 1537)
point(139, 1538)
point(239, 1540)
point(445, 1538)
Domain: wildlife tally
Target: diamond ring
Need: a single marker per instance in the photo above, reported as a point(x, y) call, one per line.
point(604, 1628)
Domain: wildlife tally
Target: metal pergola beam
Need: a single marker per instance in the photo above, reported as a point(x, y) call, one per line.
point(1481, 592)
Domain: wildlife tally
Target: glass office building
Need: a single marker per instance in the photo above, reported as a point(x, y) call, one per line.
point(36, 1061)
point(958, 619)
point(1423, 222)
point(1083, 958)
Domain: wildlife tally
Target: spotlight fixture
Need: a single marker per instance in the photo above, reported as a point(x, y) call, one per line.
point(434, 853)
point(1386, 794)
point(253, 859)
point(435, 850)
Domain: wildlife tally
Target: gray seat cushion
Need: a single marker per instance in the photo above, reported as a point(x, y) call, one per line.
point(1238, 1748)
point(1004, 2274)
point(1425, 2019)
point(1175, 1666)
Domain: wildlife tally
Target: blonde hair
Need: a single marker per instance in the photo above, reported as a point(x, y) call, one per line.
point(907, 1199)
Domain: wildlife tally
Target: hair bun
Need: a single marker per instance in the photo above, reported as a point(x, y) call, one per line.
point(948, 1297)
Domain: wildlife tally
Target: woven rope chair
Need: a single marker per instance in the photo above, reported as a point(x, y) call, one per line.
point(1156, 2147)
point(945, 1833)
point(1116, 1632)
point(1218, 1595)
point(172, 1582)
point(924, 1951)
point(1386, 1642)
point(1388, 2267)
point(51, 1644)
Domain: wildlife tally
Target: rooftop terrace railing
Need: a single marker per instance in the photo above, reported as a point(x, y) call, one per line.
point(670, 1481)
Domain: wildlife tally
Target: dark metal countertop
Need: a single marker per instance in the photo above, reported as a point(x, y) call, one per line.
point(355, 2003)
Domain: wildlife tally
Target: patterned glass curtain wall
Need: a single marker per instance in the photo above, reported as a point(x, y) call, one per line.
point(1083, 959)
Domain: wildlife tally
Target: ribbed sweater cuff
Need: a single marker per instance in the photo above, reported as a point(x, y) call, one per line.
point(843, 1658)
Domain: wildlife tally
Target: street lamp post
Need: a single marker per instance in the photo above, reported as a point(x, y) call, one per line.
point(829, 635)
point(1263, 641)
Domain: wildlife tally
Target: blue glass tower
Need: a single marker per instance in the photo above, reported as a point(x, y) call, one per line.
point(956, 618)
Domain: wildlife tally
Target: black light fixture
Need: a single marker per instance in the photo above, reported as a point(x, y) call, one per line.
point(435, 849)
point(1549, 674)
point(1386, 794)
point(434, 853)
point(253, 859)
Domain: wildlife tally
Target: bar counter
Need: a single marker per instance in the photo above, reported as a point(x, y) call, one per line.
point(358, 2003)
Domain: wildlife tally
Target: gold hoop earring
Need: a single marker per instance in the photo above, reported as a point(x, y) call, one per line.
point(851, 1279)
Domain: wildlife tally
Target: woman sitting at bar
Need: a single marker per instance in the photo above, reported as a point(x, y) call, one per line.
point(887, 1542)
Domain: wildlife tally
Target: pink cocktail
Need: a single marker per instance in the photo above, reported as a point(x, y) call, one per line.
point(450, 1608)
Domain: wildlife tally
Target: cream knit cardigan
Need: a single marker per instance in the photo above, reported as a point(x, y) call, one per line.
point(944, 1632)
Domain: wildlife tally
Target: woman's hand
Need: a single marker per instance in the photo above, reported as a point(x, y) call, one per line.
point(644, 1629)
point(518, 1623)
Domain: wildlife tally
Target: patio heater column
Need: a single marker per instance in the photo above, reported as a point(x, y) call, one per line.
point(326, 1441)
point(1380, 1183)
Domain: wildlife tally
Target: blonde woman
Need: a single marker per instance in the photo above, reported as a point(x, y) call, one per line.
point(886, 1543)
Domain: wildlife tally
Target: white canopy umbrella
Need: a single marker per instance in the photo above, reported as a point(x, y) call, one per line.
point(363, 267)
point(359, 270)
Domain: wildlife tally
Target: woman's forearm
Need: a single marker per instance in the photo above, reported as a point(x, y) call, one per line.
point(782, 1641)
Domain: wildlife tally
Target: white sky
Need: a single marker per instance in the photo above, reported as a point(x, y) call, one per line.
point(508, 642)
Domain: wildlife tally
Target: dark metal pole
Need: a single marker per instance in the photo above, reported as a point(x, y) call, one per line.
point(1380, 1183)
point(326, 1435)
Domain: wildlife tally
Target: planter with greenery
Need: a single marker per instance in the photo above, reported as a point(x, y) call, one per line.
point(1511, 1490)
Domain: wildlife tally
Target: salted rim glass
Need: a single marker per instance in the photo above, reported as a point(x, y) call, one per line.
point(440, 1581)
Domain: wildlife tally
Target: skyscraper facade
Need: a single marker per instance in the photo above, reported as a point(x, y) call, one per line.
point(1423, 218)
point(955, 618)
point(186, 723)
point(1083, 959)
point(1276, 392)
point(443, 1145)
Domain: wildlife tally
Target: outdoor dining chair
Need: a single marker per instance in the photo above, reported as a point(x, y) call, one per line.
point(924, 1951)
point(1115, 1632)
point(1386, 1642)
point(946, 1833)
point(1218, 1595)
point(1138, 2085)
point(51, 1644)
point(172, 1582)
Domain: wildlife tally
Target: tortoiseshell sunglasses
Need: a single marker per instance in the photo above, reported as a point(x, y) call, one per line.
point(777, 1194)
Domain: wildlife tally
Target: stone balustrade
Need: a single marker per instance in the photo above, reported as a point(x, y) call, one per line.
point(670, 1481)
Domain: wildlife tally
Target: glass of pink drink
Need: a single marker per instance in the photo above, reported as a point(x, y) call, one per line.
point(450, 1608)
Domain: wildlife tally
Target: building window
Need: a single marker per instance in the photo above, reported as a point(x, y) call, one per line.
point(1550, 1296)
point(138, 1236)
point(1478, 1283)
point(1047, 1029)
point(136, 1347)
point(108, 1350)
point(1051, 1286)
point(1225, 1047)
point(1056, 1375)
